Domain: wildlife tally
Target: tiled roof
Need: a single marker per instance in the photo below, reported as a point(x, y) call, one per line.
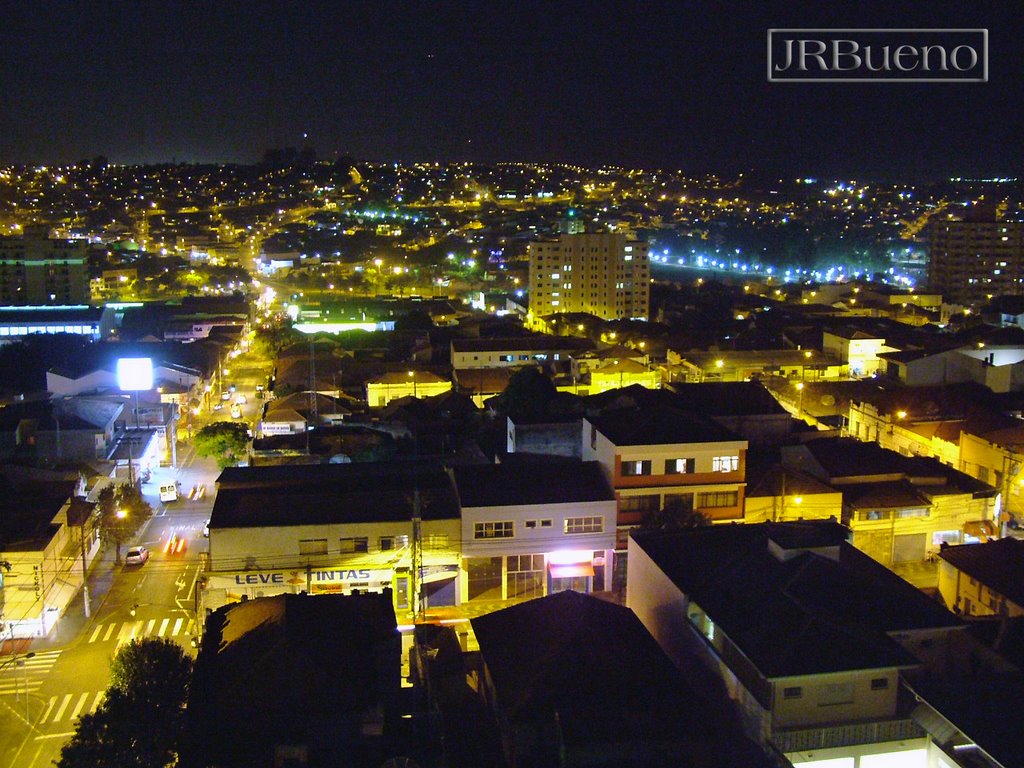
point(805, 614)
point(257, 497)
point(997, 564)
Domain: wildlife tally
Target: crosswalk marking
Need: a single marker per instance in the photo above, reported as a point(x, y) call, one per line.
point(82, 706)
point(79, 705)
point(126, 631)
point(27, 674)
point(63, 705)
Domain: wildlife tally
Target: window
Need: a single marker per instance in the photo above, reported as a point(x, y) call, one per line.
point(634, 468)
point(393, 542)
point(640, 504)
point(593, 436)
point(500, 530)
point(725, 463)
point(678, 466)
point(794, 692)
point(879, 683)
point(833, 694)
point(545, 523)
point(915, 512)
point(434, 541)
point(718, 499)
point(584, 524)
point(354, 544)
point(312, 546)
point(530, 524)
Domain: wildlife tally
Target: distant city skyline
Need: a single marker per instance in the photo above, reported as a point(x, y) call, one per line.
point(596, 83)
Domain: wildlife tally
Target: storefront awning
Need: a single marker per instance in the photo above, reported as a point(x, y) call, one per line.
point(571, 571)
point(980, 528)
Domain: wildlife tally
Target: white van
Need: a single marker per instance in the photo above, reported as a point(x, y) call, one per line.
point(169, 491)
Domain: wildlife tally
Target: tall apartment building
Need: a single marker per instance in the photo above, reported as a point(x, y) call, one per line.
point(38, 271)
point(974, 259)
point(604, 274)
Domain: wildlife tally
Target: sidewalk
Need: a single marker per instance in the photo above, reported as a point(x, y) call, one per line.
point(72, 623)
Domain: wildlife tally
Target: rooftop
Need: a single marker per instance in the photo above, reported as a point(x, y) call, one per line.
point(521, 483)
point(320, 494)
point(659, 426)
point(825, 609)
point(997, 564)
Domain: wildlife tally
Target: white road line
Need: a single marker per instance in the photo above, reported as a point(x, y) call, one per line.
point(79, 705)
point(49, 708)
point(177, 627)
point(96, 702)
point(110, 629)
point(149, 628)
point(63, 705)
point(95, 633)
point(163, 627)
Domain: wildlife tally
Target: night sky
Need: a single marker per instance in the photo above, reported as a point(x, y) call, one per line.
point(635, 83)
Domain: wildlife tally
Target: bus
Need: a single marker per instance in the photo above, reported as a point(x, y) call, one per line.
point(169, 491)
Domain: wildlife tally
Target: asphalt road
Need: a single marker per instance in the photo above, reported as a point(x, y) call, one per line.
point(70, 671)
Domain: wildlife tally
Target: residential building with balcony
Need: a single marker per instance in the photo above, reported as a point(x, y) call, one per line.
point(983, 579)
point(811, 638)
point(602, 274)
point(36, 270)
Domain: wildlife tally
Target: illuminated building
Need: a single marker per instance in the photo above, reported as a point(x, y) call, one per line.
point(37, 270)
point(605, 274)
point(973, 259)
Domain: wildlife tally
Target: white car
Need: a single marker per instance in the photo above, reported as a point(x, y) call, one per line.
point(241, 399)
point(236, 412)
point(136, 556)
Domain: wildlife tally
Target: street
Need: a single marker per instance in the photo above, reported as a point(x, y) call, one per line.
point(41, 697)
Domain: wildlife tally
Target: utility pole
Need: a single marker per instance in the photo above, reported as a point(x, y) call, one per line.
point(85, 574)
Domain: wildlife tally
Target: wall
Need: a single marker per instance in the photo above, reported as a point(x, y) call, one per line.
point(818, 506)
point(538, 540)
point(811, 707)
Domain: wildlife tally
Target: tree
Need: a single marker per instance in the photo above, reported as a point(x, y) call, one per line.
point(674, 515)
point(225, 441)
point(528, 394)
point(140, 720)
point(122, 513)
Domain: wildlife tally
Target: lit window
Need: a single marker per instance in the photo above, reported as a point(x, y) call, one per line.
point(312, 546)
point(725, 464)
point(354, 544)
point(633, 468)
point(679, 466)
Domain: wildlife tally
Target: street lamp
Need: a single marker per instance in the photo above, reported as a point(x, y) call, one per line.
point(412, 375)
point(120, 514)
point(800, 406)
point(19, 661)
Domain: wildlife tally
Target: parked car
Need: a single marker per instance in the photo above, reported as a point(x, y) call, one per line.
point(136, 556)
point(236, 412)
point(218, 406)
point(225, 396)
point(241, 399)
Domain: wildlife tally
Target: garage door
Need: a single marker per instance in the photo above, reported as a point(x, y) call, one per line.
point(909, 547)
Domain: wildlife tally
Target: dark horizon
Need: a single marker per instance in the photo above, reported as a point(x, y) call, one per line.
point(591, 84)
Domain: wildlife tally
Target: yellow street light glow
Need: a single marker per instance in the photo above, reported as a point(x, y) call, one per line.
point(719, 363)
point(901, 414)
point(799, 385)
point(798, 499)
point(121, 514)
point(807, 354)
